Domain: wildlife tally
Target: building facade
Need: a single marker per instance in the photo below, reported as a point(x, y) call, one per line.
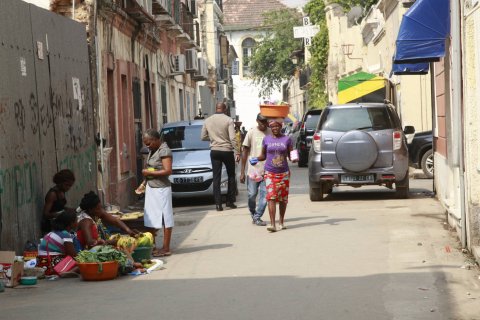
point(365, 42)
point(243, 27)
point(145, 62)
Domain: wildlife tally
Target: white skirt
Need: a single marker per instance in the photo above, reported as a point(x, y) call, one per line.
point(158, 207)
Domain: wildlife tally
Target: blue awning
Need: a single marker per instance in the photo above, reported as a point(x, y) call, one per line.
point(410, 68)
point(423, 31)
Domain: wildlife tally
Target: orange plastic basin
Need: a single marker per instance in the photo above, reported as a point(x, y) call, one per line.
point(274, 111)
point(99, 271)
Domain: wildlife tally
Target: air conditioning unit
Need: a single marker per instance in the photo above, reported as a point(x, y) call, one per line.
point(177, 64)
point(202, 73)
point(192, 60)
point(226, 74)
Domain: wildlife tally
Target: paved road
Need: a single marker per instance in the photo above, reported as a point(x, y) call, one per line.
point(358, 255)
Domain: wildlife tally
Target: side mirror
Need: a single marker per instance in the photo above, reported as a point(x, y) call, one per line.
point(409, 130)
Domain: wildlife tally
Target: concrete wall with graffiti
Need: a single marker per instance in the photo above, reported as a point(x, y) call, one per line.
point(46, 115)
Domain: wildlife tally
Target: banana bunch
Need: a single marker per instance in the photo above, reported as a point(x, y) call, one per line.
point(145, 239)
point(131, 216)
point(114, 236)
point(127, 243)
point(147, 263)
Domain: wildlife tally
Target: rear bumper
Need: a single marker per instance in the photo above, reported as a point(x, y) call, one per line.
point(318, 174)
point(198, 190)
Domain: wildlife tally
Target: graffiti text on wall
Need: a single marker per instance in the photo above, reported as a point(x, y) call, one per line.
point(72, 123)
point(83, 166)
point(18, 185)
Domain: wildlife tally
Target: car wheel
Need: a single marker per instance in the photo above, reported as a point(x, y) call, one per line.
point(316, 192)
point(402, 187)
point(302, 159)
point(427, 163)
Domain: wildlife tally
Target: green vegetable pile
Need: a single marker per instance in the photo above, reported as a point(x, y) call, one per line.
point(101, 254)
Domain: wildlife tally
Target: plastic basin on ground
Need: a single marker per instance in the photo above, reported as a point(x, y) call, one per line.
point(99, 271)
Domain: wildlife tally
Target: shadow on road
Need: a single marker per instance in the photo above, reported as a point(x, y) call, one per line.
point(184, 250)
point(364, 297)
point(303, 218)
point(380, 194)
point(332, 222)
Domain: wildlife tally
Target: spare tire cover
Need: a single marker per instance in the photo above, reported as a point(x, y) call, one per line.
point(356, 151)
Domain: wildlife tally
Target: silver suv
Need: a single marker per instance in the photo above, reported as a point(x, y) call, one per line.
point(359, 144)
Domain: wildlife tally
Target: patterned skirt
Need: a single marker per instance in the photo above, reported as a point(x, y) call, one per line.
point(277, 186)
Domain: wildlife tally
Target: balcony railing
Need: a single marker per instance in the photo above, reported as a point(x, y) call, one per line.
point(162, 7)
point(140, 10)
point(176, 11)
point(197, 33)
point(187, 21)
point(219, 4)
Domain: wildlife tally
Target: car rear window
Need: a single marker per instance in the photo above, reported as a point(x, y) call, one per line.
point(311, 121)
point(346, 119)
point(184, 138)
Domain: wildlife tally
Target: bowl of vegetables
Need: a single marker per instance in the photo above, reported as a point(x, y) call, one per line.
point(100, 263)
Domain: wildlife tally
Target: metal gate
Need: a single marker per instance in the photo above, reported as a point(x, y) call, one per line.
point(46, 115)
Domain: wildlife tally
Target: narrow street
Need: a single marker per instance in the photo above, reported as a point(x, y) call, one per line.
point(357, 255)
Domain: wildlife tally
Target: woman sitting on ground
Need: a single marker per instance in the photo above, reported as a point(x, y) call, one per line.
point(90, 220)
point(55, 200)
point(58, 243)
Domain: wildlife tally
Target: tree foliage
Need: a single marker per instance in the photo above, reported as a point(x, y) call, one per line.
point(348, 4)
point(318, 98)
point(315, 9)
point(270, 64)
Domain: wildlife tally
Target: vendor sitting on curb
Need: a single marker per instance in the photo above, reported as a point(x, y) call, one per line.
point(90, 220)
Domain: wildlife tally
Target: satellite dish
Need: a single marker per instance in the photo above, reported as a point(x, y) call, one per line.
point(354, 14)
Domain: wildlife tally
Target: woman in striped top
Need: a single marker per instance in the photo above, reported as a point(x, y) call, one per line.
point(58, 243)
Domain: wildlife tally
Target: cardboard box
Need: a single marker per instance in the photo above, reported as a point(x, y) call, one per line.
point(10, 270)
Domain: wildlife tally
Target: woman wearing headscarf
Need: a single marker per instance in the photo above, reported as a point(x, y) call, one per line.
point(158, 190)
point(276, 150)
point(91, 219)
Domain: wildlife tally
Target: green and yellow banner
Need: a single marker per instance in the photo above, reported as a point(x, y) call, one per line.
point(361, 87)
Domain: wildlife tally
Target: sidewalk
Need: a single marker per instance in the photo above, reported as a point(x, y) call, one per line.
point(358, 255)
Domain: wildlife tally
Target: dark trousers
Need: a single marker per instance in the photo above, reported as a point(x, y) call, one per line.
point(227, 158)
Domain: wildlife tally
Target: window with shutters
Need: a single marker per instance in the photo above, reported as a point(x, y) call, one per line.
point(248, 47)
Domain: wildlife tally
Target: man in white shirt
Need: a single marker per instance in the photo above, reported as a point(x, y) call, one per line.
point(252, 147)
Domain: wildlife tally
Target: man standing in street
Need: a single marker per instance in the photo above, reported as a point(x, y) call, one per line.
point(252, 147)
point(219, 129)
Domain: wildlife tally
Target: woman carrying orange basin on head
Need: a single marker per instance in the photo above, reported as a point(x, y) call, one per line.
point(276, 150)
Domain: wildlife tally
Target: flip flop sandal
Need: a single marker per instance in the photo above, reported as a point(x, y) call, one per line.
point(161, 254)
point(271, 228)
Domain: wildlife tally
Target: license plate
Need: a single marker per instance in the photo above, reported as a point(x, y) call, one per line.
point(357, 178)
point(188, 180)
